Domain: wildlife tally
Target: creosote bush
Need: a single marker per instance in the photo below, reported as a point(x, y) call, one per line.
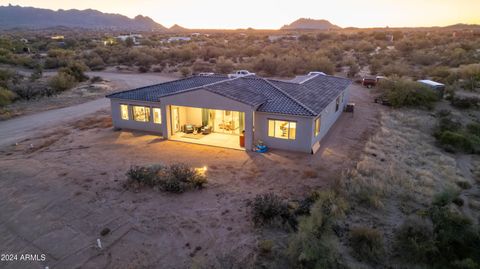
point(267, 208)
point(415, 239)
point(445, 238)
point(176, 178)
point(6, 96)
point(314, 244)
point(367, 244)
point(454, 137)
point(402, 92)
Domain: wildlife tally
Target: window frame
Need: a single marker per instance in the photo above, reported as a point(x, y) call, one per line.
point(147, 116)
point(289, 136)
point(317, 128)
point(159, 115)
point(121, 111)
point(337, 103)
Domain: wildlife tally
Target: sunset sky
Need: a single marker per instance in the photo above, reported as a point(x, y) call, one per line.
point(272, 14)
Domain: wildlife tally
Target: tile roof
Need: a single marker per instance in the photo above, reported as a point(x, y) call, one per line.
point(152, 93)
point(273, 96)
point(315, 93)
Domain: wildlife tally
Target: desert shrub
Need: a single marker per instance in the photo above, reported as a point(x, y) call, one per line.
point(353, 69)
point(185, 71)
point(445, 238)
point(471, 76)
point(266, 208)
point(464, 184)
point(454, 141)
point(445, 197)
point(414, 240)
point(367, 244)
point(395, 70)
point(224, 66)
point(176, 178)
point(455, 236)
point(465, 102)
point(144, 175)
point(265, 246)
point(306, 204)
point(96, 79)
point(143, 69)
point(445, 123)
point(465, 264)
point(76, 70)
point(61, 82)
point(323, 64)
point(95, 63)
point(6, 96)
point(202, 66)
point(402, 92)
point(453, 137)
point(314, 244)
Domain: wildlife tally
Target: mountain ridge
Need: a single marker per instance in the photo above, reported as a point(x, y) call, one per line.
point(38, 18)
point(310, 24)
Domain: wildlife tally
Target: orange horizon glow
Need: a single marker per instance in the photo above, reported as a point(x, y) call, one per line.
point(273, 14)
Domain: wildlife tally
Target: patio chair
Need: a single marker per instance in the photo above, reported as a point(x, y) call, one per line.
point(188, 129)
point(206, 130)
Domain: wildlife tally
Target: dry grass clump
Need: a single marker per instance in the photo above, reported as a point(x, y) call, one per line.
point(367, 244)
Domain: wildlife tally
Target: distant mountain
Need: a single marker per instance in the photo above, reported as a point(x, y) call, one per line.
point(30, 17)
point(177, 29)
point(462, 26)
point(310, 24)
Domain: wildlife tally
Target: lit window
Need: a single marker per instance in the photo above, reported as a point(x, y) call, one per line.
point(338, 104)
point(124, 112)
point(282, 129)
point(141, 113)
point(157, 116)
point(317, 126)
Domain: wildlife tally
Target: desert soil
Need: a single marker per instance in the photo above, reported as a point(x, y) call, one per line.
point(74, 104)
point(84, 92)
point(61, 186)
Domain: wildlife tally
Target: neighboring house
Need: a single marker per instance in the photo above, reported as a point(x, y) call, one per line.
point(236, 112)
point(178, 39)
point(134, 37)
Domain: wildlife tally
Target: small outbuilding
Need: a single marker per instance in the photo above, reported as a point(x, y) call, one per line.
point(437, 86)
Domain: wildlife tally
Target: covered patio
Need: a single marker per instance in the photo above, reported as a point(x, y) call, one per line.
point(213, 139)
point(213, 127)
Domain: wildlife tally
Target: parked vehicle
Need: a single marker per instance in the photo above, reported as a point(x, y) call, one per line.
point(240, 73)
point(371, 81)
point(382, 100)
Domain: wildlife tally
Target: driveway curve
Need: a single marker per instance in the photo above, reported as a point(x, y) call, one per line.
point(17, 129)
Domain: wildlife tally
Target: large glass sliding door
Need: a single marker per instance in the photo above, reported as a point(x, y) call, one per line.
point(226, 121)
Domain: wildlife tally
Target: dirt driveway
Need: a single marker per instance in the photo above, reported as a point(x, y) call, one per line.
point(59, 189)
point(16, 129)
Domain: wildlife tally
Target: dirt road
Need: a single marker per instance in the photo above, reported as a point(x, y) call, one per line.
point(16, 129)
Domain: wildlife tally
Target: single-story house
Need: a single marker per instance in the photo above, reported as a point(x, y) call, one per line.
point(236, 112)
